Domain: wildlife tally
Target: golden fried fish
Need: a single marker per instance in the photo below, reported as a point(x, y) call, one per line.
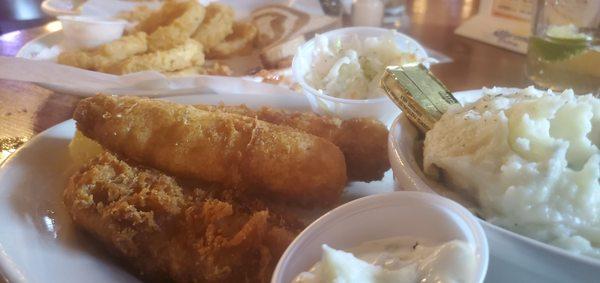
point(228, 149)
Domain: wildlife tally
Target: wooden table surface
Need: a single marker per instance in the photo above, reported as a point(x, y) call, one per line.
point(27, 109)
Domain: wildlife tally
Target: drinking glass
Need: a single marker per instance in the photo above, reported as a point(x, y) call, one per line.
point(394, 7)
point(564, 48)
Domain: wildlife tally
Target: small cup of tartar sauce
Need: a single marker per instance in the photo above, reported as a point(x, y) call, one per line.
point(86, 32)
point(393, 237)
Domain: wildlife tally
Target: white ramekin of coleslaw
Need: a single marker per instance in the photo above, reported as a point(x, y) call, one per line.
point(339, 70)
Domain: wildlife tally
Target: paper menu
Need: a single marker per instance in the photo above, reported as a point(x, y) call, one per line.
point(503, 23)
point(513, 9)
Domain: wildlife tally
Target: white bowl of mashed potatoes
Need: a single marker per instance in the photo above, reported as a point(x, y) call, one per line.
point(339, 70)
point(527, 162)
point(392, 237)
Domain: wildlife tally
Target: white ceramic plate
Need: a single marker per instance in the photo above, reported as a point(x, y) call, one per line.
point(240, 65)
point(48, 45)
point(513, 258)
point(160, 86)
point(38, 242)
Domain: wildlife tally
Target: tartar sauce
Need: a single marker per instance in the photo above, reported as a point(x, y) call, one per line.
point(398, 259)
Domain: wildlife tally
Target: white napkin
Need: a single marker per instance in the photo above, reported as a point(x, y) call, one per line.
point(76, 81)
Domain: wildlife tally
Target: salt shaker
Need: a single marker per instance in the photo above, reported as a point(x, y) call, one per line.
point(367, 12)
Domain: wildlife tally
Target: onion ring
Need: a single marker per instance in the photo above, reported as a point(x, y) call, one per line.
point(240, 42)
point(217, 25)
point(187, 16)
point(106, 54)
point(177, 58)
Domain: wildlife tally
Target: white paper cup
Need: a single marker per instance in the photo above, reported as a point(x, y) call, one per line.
point(85, 32)
point(397, 214)
point(381, 108)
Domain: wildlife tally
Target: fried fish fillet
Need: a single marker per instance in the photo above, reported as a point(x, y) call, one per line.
point(362, 140)
point(240, 42)
point(229, 149)
point(187, 18)
point(216, 26)
point(107, 54)
point(172, 233)
point(179, 57)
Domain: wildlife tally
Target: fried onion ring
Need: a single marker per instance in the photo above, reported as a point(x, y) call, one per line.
point(187, 16)
point(161, 17)
point(138, 14)
point(240, 42)
point(177, 58)
point(217, 25)
point(214, 69)
point(106, 54)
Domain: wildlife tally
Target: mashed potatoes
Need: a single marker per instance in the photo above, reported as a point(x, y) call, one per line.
point(351, 68)
point(530, 160)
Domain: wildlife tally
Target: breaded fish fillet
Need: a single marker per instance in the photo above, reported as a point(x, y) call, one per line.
point(107, 54)
point(362, 140)
point(172, 233)
point(180, 57)
point(229, 149)
point(216, 26)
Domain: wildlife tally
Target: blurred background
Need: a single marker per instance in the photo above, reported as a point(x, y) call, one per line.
point(21, 14)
